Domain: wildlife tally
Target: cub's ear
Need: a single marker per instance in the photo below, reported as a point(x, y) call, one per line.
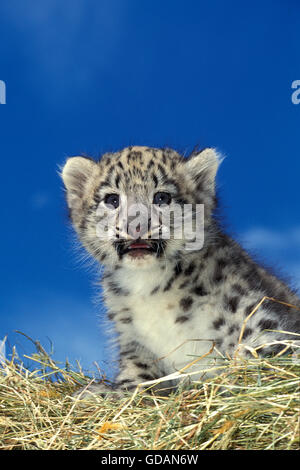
point(76, 174)
point(202, 168)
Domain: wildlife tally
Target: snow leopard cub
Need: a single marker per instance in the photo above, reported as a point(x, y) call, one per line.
point(169, 304)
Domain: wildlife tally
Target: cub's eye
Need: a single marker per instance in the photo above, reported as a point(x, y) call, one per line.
point(162, 198)
point(112, 200)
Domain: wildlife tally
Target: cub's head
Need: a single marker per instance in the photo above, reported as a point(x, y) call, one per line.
point(141, 205)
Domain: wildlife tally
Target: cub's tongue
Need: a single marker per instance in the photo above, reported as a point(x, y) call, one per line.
point(139, 245)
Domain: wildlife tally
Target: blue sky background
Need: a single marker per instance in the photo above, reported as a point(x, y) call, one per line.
point(94, 76)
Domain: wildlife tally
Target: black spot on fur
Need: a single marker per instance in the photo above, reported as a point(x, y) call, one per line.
point(105, 184)
point(127, 352)
point(239, 289)
point(173, 164)
point(156, 289)
point(231, 303)
point(136, 155)
point(113, 287)
point(155, 180)
point(178, 269)
point(169, 283)
point(181, 201)
point(218, 271)
point(177, 272)
point(162, 170)
point(145, 376)
point(181, 319)
point(232, 329)
point(268, 324)
point(199, 290)
point(218, 323)
point(96, 196)
point(82, 224)
point(126, 320)
point(150, 164)
point(117, 180)
point(190, 269)
point(250, 308)
point(142, 365)
point(186, 303)
point(248, 331)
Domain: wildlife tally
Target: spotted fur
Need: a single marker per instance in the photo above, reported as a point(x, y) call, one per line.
point(172, 306)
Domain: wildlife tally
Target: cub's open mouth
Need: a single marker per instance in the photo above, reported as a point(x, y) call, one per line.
point(139, 248)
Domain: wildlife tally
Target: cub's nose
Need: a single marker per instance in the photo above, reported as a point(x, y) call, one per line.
point(138, 227)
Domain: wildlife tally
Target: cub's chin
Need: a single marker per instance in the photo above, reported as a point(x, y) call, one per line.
point(140, 262)
point(139, 254)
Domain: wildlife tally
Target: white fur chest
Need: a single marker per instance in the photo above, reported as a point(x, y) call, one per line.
point(155, 319)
